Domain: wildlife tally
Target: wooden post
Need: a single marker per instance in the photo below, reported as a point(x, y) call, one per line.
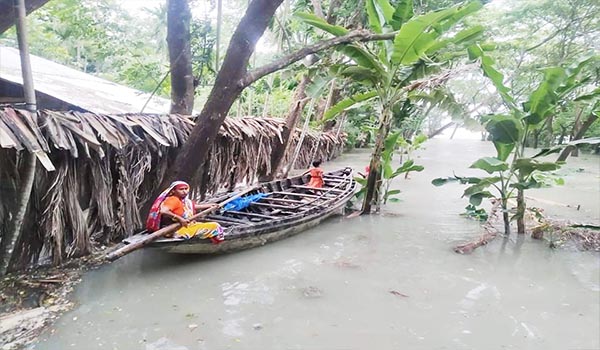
point(12, 237)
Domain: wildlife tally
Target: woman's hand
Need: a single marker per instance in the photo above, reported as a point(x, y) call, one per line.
point(182, 221)
point(205, 206)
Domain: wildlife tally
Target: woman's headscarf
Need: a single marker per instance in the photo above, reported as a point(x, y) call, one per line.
point(153, 220)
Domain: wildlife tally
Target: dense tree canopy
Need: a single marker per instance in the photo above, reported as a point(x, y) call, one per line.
point(102, 38)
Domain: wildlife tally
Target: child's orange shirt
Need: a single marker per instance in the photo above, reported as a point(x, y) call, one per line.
point(316, 178)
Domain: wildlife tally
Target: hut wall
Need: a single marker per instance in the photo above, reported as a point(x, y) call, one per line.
point(95, 172)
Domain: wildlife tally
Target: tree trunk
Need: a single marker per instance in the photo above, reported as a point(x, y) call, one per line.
point(563, 133)
point(454, 131)
point(297, 106)
point(233, 78)
point(582, 130)
point(225, 91)
point(333, 97)
point(290, 165)
point(373, 180)
point(317, 9)
point(536, 139)
point(441, 129)
point(180, 57)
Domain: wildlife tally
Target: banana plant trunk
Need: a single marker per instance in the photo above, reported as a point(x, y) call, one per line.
point(520, 211)
point(505, 217)
point(372, 195)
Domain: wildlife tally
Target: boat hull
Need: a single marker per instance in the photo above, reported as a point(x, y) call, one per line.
point(289, 207)
point(255, 239)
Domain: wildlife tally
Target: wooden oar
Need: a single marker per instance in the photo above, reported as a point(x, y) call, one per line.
point(169, 229)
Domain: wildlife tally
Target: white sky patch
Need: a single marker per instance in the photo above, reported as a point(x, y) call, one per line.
point(136, 6)
point(199, 9)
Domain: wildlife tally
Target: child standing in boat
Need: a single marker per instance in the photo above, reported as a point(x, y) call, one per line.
point(173, 205)
point(316, 175)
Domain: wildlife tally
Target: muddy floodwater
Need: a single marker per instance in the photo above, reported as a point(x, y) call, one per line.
point(376, 282)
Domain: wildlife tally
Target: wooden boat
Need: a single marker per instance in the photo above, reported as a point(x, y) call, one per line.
point(288, 208)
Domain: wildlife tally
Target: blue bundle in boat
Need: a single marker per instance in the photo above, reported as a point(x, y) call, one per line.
point(244, 202)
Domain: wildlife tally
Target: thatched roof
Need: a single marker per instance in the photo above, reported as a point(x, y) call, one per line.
point(81, 133)
point(100, 170)
point(241, 152)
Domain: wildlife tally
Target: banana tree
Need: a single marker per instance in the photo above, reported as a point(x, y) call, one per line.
point(390, 69)
point(509, 133)
point(392, 142)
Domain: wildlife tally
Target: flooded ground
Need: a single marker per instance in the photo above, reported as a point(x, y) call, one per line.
point(377, 282)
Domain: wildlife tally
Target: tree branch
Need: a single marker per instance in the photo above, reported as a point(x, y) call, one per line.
point(353, 36)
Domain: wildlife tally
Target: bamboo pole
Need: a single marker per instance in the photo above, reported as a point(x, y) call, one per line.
point(14, 235)
point(218, 41)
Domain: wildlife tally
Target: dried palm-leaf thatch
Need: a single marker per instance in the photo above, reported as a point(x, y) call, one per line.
point(99, 170)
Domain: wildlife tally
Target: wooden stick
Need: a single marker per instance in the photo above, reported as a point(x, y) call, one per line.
point(295, 194)
point(169, 229)
point(334, 176)
point(244, 213)
point(284, 200)
point(323, 189)
point(221, 218)
point(490, 234)
point(271, 205)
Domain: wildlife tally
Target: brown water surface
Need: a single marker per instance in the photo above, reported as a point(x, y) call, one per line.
point(377, 282)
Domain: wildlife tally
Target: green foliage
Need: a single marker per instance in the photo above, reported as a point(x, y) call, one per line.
point(473, 212)
point(347, 103)
point(100, 37)
point(490, 165)
point(389, 173)
point(386, 70)
point(421, 33)
point(509, 133)
point(476, 52)
point(320, 23)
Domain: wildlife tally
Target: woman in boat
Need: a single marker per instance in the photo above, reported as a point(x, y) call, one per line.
point(173, 205)
point(316, 175)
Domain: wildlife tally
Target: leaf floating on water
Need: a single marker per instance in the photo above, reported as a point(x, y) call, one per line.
point(397, 293)
point(346, 264)
point(312, 292)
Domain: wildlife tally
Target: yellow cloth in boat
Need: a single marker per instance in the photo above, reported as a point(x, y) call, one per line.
point(202, 229)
